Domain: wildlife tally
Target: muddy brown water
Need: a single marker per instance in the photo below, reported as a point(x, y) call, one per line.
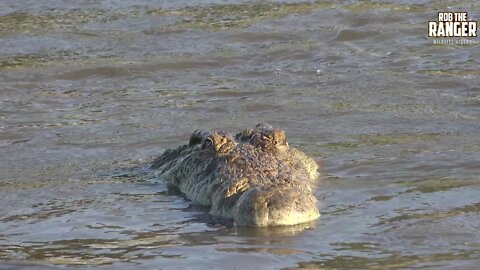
point(91, 92)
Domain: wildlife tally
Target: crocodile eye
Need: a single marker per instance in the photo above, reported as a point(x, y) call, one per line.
point(207, 143)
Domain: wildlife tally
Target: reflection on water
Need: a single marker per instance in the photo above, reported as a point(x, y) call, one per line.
point(92, 92)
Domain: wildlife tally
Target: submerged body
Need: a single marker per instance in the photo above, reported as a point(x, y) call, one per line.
point(254, 178)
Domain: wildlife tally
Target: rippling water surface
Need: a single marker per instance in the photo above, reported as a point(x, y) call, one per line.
point(91, 91)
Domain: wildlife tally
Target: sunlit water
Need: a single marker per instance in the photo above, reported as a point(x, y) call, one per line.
point(92, 91)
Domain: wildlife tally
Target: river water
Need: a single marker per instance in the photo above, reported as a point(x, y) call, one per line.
point(92, 91)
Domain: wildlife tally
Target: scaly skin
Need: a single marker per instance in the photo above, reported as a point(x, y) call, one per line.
point(254, 178)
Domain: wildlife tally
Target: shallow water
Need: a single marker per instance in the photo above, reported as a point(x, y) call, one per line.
point(91, 93)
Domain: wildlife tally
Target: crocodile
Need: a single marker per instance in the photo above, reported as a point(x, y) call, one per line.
point(253, 177)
